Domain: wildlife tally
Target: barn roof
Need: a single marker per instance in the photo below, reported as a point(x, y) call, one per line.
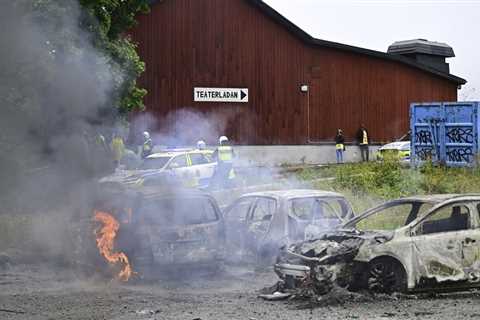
point(314, 42)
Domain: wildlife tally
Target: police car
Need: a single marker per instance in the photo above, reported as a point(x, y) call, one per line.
point(191, 167)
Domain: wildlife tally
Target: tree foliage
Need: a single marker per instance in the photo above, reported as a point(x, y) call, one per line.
point(68, 70)
point(112, 18)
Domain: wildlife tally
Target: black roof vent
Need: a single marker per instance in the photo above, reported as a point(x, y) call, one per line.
point(432, 54)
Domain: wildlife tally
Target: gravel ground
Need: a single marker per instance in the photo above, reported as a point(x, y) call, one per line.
point(42, 292)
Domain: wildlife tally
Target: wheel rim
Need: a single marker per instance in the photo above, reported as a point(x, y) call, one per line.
point(382, 277)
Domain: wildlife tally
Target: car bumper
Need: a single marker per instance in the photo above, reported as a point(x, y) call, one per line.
point(284, 270)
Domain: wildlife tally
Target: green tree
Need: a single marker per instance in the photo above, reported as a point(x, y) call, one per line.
point(67, 71)
point(110, 20)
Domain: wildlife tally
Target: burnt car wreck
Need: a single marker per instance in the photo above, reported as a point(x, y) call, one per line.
point(407, 245)
point(259, 223)
point(140, 230)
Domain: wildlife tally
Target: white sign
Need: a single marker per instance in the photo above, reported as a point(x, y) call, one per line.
point(220, 95)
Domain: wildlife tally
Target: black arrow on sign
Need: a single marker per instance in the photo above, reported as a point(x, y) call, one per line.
point(242, 95)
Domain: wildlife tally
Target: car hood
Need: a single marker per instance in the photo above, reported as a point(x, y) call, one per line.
point(398, 145)
point(340, 245)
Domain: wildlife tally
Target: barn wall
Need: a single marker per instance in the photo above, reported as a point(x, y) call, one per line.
point(350, 89)
point(230, 43)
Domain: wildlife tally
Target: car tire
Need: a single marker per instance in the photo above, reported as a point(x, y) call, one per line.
point(386, 275)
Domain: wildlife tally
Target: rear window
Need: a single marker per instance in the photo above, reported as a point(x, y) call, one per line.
point(178, 211)
point(317, 208)
point(154, 163)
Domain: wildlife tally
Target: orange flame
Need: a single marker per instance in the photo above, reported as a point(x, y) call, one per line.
point(105, 236)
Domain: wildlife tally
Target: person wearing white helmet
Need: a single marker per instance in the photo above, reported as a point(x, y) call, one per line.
point(222, 139)
point(147, 147)
point(201, 145)
point(224, 155)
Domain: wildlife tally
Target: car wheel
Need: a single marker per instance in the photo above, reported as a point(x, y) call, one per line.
point(386, 275)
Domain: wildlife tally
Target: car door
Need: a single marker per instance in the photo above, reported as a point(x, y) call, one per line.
point(179, 166)
point(437, 244)
point(236, 217)
point(470, 245)
point(259, 221)
point(201, 166)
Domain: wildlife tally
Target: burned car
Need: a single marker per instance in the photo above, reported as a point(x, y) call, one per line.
point(410, 244)
point(160, 228)
point(176, 228)
point(258, 224)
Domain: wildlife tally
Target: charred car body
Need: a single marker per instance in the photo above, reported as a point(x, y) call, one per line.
point(410, 244)
point(166, 228)
point(260, 223)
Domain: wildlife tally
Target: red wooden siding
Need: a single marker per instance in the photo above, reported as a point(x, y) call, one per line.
point(230, 43)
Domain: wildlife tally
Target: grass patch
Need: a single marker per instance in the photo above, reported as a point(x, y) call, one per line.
point(313, 173)
point(367, 184)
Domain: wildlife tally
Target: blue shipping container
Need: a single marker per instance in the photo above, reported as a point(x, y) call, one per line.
point(445, 132)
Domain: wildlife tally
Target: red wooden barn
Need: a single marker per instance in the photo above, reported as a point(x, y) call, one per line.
point(300, 89)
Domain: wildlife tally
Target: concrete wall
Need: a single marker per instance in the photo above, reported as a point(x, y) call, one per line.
point(275, 155)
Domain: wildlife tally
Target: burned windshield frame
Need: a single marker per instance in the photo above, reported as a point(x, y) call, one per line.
point(342, 204)
point(418, 209)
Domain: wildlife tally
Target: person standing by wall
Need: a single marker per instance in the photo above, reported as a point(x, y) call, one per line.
point(339, 145)
point(363, 141)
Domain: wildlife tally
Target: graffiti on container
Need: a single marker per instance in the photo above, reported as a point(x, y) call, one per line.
point(425, 154)
point(460, 135)
point(464, 154)
point(423, 137)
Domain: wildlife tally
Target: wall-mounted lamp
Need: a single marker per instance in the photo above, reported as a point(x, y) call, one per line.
point(304, 88)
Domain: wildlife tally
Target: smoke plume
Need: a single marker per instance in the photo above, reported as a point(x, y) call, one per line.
point(184, 127)
point(55, 92)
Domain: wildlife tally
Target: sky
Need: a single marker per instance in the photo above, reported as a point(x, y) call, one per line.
point(375, 24)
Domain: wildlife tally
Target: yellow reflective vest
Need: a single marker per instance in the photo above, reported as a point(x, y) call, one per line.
point(225, 153)
point(118, 149)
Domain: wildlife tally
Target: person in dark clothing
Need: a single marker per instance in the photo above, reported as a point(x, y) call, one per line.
point(339, 145)
point(363, 141)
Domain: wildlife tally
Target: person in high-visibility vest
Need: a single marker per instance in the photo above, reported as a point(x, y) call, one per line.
point(339, 145)
point(118, 149)
point(363, 141)
point(224, 155)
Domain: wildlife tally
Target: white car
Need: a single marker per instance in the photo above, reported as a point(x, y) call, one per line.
point(192, 167)
point(399, 150)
